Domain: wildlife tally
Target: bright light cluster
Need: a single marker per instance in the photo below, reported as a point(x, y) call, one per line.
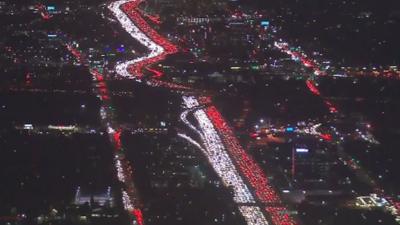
point(43, 11)
point(139, 216)
point(311, 86)
point(75, 53)
point(393, 207)
point(117, 139)
point(253, 215)
point(124, 174)
point(279, 215)
point(367, 136)
point(103, 113)
point(312, 130)
point(126, 201)
point(120, 170)
point(101, 85)
point(190, 101)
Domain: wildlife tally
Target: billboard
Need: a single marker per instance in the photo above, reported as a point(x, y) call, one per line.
point(302, 150)
point(265, 23)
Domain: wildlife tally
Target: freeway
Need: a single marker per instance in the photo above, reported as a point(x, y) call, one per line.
point(255, 197)
point(130, 197)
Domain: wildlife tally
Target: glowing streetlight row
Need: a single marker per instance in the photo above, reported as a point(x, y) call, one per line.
point(124, 170)
point(299, 56)
point(314, 89)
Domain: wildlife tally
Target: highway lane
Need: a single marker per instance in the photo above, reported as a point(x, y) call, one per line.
point(227, 160)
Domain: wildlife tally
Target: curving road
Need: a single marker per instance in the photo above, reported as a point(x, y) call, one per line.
point(254, 196)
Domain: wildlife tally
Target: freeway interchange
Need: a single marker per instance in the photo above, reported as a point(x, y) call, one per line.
point(254, 196)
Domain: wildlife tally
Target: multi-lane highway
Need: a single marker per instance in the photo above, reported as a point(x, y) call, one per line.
point(255, 197)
